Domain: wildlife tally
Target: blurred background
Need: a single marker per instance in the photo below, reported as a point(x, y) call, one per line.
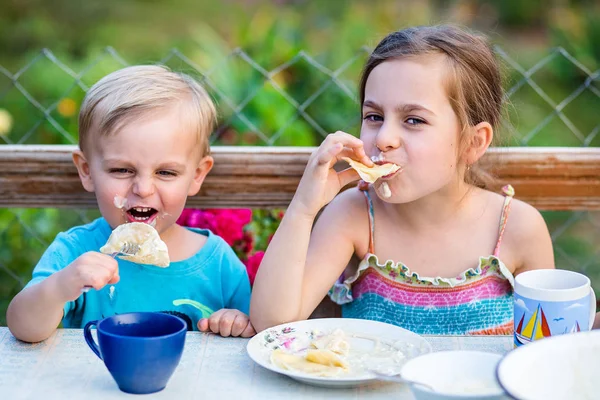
point(283, 73)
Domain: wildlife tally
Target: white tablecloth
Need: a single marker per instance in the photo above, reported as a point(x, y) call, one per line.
point(63, 367)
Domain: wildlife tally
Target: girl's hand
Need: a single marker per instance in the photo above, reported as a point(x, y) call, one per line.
point(226, 322)
point(320, 183)
point(89, 269)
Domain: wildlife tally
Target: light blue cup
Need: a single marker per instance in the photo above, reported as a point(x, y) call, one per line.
point(551, 302)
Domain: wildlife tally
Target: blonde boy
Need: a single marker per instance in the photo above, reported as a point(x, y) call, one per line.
point(143, 149)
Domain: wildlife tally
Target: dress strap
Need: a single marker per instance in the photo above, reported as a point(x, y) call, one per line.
point(369, 202)
point(509, 192)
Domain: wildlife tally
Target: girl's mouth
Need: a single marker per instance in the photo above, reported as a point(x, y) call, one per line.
point(146, 215)
point(393, 174)
point(388, 176)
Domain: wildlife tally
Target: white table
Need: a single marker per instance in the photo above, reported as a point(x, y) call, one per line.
point(211, 368)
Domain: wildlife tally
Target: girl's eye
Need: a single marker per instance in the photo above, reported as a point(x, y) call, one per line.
point(373, 118)
point(167, 173)
point(414, 121)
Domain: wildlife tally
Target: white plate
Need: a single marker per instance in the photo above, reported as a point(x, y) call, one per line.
point(260, 346)
point(558, 367)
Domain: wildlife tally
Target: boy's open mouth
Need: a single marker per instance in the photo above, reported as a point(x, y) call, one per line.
point(141, 214)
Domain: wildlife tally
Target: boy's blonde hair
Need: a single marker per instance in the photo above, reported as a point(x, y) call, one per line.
point(132, 92)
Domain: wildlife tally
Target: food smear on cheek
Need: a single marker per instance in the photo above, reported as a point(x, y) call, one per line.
point(120, 202)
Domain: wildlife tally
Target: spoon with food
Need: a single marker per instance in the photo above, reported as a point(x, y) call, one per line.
point(150, 249)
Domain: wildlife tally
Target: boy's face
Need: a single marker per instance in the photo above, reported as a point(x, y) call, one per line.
point(151, 165)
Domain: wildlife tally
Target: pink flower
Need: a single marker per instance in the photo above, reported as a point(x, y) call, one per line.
point(253, 263)
point(230, 225)
point(247, 243)
point(242, 215)
point(188, 217)
point(204, 220)
point(182, 220)
point(227, 223)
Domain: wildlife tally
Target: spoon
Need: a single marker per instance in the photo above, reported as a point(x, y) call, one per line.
point(399, 379)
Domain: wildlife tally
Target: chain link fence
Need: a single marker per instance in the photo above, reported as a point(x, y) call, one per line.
point(554, 102)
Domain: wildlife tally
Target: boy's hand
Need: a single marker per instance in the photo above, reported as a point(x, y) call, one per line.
point(226, 322)
point(89, 269)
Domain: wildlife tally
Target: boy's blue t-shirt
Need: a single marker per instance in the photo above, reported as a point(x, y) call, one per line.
point(212, 279)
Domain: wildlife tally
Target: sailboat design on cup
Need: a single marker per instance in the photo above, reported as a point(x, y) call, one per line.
point(536, 328)
point(574, 329)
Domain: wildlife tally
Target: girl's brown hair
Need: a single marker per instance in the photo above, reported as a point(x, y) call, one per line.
point(475, 84)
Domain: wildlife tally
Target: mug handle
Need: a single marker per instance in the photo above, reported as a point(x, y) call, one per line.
point(87, 334)
point(592, 307)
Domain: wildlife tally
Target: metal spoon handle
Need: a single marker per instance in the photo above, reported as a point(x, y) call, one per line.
point(399, 379)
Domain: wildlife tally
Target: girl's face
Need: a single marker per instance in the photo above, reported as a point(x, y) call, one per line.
point(408, 120)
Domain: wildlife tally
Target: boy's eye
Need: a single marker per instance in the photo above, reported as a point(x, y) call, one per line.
point(119, 171)
point(167, 173)
point(414, 121)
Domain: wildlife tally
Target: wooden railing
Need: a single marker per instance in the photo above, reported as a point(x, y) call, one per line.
point(550, 178)
point(266, 177)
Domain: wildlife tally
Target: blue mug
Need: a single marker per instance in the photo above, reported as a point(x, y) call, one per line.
point(140, 350)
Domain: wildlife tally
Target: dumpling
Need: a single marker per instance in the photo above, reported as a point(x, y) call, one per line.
point(336, 342)
point(325, 357)
point(372, 174)
point(293, 362)
point(152, 250)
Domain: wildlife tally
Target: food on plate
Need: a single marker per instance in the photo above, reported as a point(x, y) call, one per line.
point(325, 357)
point(333, 354)
point(335, 342)
point(315, 362)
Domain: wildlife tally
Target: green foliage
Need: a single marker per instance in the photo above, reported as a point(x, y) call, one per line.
point(25, 234)
point(263, 226)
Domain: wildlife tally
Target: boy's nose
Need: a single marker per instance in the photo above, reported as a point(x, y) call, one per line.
point(143, 187)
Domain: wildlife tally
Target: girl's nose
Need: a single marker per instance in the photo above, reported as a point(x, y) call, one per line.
point(388, 137)
point(143, 186)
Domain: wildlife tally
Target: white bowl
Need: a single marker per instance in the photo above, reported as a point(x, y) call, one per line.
point(558, 367)
point(455, 375)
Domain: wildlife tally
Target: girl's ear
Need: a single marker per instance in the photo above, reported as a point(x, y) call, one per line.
point(203, 168)
point(83, 168)
point(481, 138)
